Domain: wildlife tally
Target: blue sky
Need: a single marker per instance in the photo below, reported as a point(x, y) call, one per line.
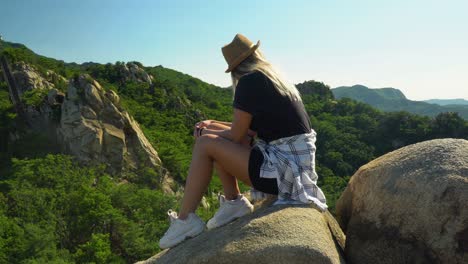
point(420, 47)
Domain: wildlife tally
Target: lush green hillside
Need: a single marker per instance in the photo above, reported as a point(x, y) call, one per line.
point(392, 100)
point(55, 210)
point(362, 93)
point(447, 101)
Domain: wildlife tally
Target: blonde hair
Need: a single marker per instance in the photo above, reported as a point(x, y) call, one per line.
point(257, 61)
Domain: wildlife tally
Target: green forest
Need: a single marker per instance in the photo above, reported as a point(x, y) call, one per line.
point(55, 210)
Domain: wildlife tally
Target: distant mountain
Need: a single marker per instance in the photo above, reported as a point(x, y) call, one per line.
point(361, 92)
point(391, 100)
point(447, 101)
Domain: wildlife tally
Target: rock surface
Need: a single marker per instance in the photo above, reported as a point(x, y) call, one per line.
point(132, 72)
point(28, 78)
point(409, 206)
point(274, 234)
point(88, 122)
point(93, 127)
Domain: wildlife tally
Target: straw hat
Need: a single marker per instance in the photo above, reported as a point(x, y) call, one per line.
point(238, 50)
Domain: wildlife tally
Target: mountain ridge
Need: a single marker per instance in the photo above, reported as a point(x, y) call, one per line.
point(392, 99)
point(456, 101)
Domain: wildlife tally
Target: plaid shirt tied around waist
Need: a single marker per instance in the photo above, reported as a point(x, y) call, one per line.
point(291, 160)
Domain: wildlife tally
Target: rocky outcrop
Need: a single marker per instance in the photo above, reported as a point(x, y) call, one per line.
point(28, 78)
point(274, 234)
point(88, 122)
point(409, 206)
point(132, 72)
point(94, 127)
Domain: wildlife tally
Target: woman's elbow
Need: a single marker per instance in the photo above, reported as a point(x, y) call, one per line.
point(237, 140)
point(237, 137)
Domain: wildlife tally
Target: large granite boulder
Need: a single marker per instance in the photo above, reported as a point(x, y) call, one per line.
point(95, 128)
point(88, 121)
point(274, 234)
point(409, 206)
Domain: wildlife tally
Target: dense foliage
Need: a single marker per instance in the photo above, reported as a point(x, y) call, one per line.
point(53, 210)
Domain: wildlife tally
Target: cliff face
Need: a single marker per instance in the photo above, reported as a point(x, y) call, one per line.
point(27, 78)
point(35, 97)
point(93, 126)
point(87, 121)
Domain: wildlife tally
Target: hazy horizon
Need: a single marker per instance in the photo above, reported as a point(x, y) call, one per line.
point(417, 47)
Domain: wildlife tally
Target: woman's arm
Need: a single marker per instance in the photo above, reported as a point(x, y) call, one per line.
point(239, 127)
point(247, 141)
point(206, 123)
point(222, 122)
point(218, 125)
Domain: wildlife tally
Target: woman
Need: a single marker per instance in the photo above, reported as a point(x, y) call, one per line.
point(281, 161)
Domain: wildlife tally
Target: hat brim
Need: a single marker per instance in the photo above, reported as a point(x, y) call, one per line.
point(242, 57)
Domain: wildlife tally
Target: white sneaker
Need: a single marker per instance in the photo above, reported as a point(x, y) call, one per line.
point(229, 210)
point(181, 229)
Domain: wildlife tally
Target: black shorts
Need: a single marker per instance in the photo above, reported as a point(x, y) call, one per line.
point(262, 184)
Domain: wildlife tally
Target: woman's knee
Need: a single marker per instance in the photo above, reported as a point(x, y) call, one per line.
point(214, 144)
point(205, 140)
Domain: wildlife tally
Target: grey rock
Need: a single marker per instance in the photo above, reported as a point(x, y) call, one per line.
point(55, 97)
point(273, 234)
point(89, 123)
point(93, 129)
point(113, 97)
point(93, 97)
point(88, 113)
point(132, 72)
point(409, 206)
point(28, 78)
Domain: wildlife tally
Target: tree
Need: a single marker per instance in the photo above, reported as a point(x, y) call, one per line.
point(449, 124)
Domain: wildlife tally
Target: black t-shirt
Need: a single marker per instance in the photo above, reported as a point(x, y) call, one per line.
point(274, 116)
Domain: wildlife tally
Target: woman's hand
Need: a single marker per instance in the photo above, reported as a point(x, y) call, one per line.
point(204, 123)
point(196, 131)
point(200, 125)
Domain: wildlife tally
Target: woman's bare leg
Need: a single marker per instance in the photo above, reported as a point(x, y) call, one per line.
point(232, 157)
point(229, 182)
point(230, 185)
